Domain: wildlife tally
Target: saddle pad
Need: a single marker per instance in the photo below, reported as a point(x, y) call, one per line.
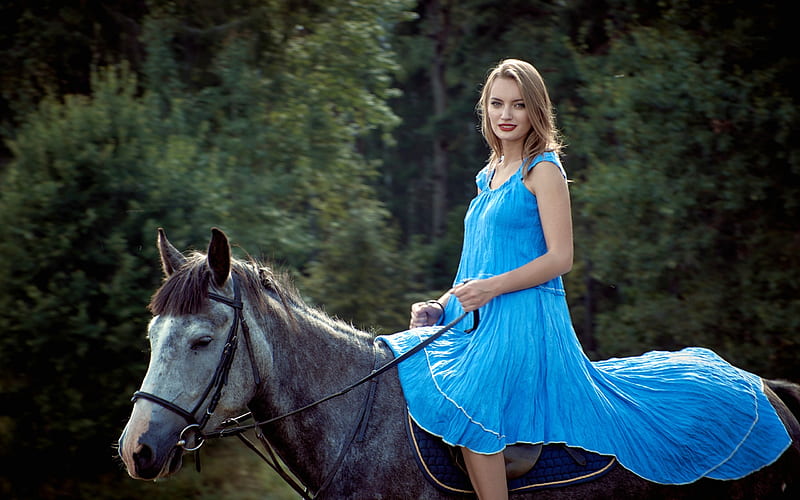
point(555, 467)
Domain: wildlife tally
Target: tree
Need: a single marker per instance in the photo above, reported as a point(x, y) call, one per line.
point(688, 130)
point(49, 47)
point(90, 181)
point(284, 117)
point(243, 119)
point(445, 55)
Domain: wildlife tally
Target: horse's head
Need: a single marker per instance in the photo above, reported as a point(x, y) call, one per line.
point(199, 372)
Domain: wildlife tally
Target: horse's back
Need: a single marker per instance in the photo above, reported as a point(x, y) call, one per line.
point(386, 468)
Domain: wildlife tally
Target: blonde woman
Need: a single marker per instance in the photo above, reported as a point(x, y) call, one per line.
point(522, 376)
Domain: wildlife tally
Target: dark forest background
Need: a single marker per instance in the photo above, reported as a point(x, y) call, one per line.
point(338, 140)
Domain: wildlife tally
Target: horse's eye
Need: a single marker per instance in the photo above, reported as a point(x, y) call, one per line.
point(201, 342)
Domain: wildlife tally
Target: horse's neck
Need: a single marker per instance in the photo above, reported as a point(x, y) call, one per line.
point(320, 357)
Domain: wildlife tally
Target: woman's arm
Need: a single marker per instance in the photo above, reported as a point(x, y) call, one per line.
point(429, 312)
point(548, 184)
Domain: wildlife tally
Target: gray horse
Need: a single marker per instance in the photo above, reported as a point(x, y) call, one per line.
point(230, 336)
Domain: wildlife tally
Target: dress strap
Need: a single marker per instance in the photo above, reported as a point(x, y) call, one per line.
point(483, 177)
point(550, 156)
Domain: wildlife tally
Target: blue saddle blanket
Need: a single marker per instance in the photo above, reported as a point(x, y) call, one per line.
point(555, 467)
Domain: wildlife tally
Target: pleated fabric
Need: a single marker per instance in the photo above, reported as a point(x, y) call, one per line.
point(522, 375)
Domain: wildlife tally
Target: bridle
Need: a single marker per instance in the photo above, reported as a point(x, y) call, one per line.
point(218, 380)
point(232, 426)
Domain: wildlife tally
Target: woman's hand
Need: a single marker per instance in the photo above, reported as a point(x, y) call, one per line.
point(474, 294)
point(425, 313)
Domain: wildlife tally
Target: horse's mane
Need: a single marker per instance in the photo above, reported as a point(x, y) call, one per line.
point(185, 291)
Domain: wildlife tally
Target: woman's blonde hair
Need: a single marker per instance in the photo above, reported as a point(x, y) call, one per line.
point(543, 135)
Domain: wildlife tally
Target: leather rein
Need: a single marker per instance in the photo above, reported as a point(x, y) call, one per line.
point(233, 426)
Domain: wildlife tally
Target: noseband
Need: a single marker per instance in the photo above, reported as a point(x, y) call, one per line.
point(218, 381)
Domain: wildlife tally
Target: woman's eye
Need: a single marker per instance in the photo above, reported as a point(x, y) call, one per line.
point(495, 104)
point(520, 105)
point(201, 343)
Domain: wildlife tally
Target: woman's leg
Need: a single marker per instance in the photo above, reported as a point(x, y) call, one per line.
point(488, 475)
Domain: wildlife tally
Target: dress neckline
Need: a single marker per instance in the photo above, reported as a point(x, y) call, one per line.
point(507, 181)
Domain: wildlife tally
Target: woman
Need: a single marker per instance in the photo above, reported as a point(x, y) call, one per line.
point(521, 376)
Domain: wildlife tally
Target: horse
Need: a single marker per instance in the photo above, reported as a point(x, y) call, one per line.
point(230, 336)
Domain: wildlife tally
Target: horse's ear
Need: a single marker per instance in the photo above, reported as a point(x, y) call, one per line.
point(219, 257)
point(171, 258)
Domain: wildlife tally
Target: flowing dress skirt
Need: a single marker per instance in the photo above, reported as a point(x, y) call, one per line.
point(669, 417)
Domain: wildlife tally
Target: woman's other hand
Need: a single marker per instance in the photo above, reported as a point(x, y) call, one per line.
point(425, 313)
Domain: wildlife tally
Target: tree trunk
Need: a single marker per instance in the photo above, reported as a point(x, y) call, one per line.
point(439, 28)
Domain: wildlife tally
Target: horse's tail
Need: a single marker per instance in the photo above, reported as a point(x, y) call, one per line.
point(789, 393)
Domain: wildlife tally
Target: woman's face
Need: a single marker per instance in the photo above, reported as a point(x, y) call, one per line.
point(506, 111)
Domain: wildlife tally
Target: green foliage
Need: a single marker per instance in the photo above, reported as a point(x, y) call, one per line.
point(90, 182)
point(357, 272)
point(690, 196)
point(260, 137)
point(48, 47)
point(284, 123)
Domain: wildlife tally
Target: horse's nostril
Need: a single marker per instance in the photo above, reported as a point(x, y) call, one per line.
point(143, 458)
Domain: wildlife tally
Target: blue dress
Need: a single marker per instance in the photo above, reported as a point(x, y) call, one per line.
point(522, 375)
